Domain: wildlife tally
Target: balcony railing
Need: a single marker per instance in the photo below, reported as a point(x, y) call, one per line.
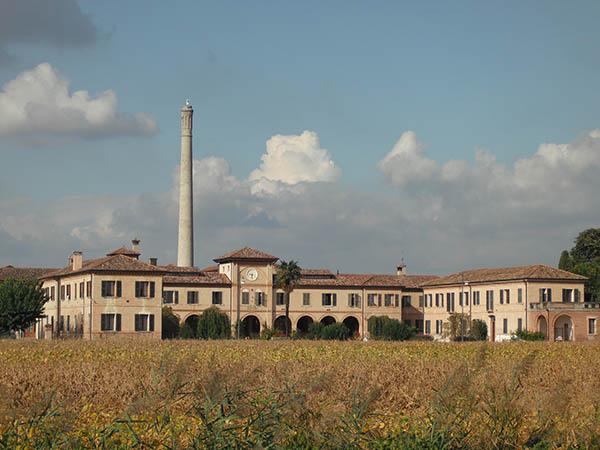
point(578, 306)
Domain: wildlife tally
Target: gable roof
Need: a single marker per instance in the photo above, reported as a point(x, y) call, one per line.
point(29, 273)
point(124, 251)
point(535, 272)
point(246, 254)
point(206, 278)
point(115, 263)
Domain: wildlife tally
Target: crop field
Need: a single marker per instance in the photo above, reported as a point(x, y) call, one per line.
point(298, 394)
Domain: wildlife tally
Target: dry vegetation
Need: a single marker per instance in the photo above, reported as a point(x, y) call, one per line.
point(298, 394)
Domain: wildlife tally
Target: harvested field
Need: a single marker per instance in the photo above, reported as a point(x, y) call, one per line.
point(299, 394)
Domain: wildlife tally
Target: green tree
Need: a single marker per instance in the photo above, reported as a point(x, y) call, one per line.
point(186, 332)
point(213, 324)
point(479, 330)
point(335, 331)
point(591, 270)
point(170, 323)
point(565, 262)
point(587, 246)
point(21, 304)
point(287, 278)
point(384, 328)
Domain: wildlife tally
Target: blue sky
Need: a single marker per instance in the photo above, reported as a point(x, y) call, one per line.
point(502, 77)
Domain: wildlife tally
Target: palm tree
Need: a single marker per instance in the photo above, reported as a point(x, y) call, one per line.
point(287, 278)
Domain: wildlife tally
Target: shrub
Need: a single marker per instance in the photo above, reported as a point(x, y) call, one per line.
point(315, 330)
point(170, 323)
point(186, 332)
point(267, 333)
point(384, 328)
point(479, 330)
point(214, 324)
point(530, 335)
point(421, 337)
point(335, 331)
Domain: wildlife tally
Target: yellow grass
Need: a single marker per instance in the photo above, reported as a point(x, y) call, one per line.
point(410, 384)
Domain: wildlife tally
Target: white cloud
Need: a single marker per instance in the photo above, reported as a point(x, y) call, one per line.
point(480, 215)
point(291, 160)
point(39, 102)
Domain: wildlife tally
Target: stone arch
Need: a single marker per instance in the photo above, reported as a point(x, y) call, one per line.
point(303, 324)
point(563, 328)
point(328, 320)
point(192, 322)
point(542, 325)
point(352, 324)
point(279, 324)
point(250, 327)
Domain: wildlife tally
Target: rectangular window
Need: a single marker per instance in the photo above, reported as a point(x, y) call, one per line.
point(519, 324)
point(567, 295)
point(170, 297)
point(62, 292)
point(388, 299)
point(329, 299)
point(192, 297)
point(68, 292)
point(110, 322)
point(354, 300)
point(406, 301)
point(245, 298)
point(259, 298)
point(437, 327)
point(577, 295)
point(489, 300)
point(81, 290)
point(306, 299)
point(467, 298)
point(88, 289)
point(217, 298)
point(545, 295)
point(450, 302)
point(505, 326)
point(419, 325)
point(144, 322)
point(372, 299)
point(428, 327)
point(476, 298)
point(396, 300)
point(52, 293)
point(280, 298)
point(592, 326)
point(520, 295)
point(460, 299)
point(144, 289)
point(111, 288)
point(68, 323)
point(420, 301)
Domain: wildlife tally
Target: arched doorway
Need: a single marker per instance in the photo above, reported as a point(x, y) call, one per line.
point(542, 325)
point(351, 323)
point(250, 327)
point(192, 322)
point(327, 320)
point(563, 328)
point(304, 324)
point(279, 324)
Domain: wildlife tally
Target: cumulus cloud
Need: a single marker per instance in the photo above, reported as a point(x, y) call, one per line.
point(40, 102)
point(291, 160)
point(56, 22)
point(484, 214)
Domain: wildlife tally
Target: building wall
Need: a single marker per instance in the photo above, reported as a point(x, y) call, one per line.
point(75, 311)
point(508, 316)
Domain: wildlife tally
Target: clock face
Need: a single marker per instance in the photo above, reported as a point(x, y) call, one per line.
point(252, 274)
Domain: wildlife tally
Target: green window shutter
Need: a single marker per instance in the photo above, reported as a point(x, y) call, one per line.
point(176, 297)
point(323, 297)
point(152, 289)
point(118, 288)
point(549, 294)
point(379, 299)
point(118, 320)
point(349, 300)
point(334, 299)
point(151, 322)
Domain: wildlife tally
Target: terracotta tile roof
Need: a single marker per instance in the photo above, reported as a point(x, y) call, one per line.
point(211, 269)
point(124, 251)
point(535, 272)
point(246, 253)
point(172, 268)
point(368, 281)
point(116, 263)
point(29, 273)
point(205, 278)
